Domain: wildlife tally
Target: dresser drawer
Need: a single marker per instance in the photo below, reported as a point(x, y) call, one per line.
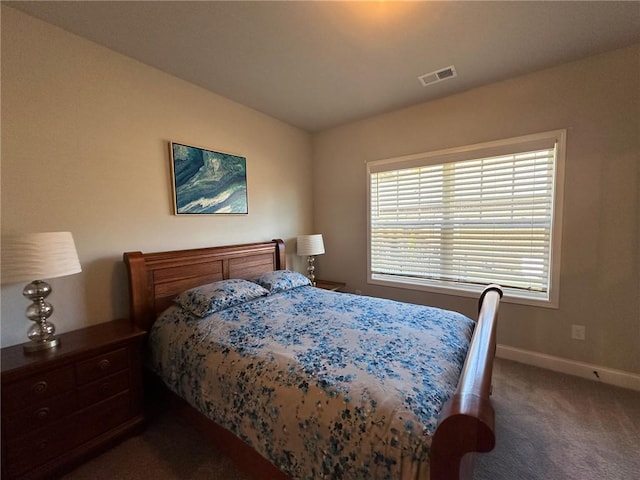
point(41, 445)
point(104, 416)
point(102, 389)
point(39, 415)
point(102, 365)
point(36, 388)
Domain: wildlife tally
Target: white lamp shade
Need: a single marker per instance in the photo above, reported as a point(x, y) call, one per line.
point(38, 256)
point(310, 245)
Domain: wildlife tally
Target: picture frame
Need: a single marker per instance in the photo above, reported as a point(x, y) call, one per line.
point(207, 182)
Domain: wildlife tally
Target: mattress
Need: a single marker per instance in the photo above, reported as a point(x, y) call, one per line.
point(325, 385)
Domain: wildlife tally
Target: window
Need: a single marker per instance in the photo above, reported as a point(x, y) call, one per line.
point(456, 220)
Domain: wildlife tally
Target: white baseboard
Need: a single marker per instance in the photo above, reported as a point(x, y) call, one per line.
point(619, 378)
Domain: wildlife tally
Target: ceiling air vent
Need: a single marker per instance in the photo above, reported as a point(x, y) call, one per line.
point(438, 76)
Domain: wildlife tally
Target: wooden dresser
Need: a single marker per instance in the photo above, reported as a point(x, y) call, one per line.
point(62, 405)
point(330, 285)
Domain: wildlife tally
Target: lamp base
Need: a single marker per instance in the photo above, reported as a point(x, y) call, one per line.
point(41, 333)
point(311, 269)
point(41, 345)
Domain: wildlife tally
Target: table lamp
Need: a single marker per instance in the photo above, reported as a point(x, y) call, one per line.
point(37, 256)
point(310, 246)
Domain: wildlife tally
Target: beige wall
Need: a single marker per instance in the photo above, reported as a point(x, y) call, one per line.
point(598, 101)
point(84, 149)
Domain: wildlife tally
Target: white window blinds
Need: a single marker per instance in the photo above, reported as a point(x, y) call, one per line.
point(466, 221)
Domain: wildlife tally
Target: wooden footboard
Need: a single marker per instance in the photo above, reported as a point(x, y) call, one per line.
point(467, 420)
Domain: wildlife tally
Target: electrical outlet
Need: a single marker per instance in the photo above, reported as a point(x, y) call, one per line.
point(578, 332)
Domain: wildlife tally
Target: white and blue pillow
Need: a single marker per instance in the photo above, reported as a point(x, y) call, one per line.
point(281, 280)
point(213, 297)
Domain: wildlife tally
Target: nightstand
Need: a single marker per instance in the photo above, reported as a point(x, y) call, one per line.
point(329, 285)
point(62, 405)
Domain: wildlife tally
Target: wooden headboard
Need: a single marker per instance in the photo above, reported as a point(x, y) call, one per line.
point(156, 278)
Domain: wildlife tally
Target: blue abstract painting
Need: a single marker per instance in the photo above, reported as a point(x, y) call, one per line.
point(205, 181)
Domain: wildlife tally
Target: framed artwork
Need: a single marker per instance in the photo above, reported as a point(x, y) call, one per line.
point(207, 182)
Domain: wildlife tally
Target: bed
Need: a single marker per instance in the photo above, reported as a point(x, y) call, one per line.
point(299, 382)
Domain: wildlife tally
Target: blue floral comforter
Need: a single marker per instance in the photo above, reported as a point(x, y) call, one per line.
point(325, 385)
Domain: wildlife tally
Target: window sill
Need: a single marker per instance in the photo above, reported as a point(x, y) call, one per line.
point(473, 291)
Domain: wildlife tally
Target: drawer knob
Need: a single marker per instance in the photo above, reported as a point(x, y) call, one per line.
point(104, 388)
point(42, 413)
point(39, 388)
point(104, 364)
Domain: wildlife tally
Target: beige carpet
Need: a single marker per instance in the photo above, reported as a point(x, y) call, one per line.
point(553, 426)
point(549, 427)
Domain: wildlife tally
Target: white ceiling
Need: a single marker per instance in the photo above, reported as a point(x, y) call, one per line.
point(321, 64)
